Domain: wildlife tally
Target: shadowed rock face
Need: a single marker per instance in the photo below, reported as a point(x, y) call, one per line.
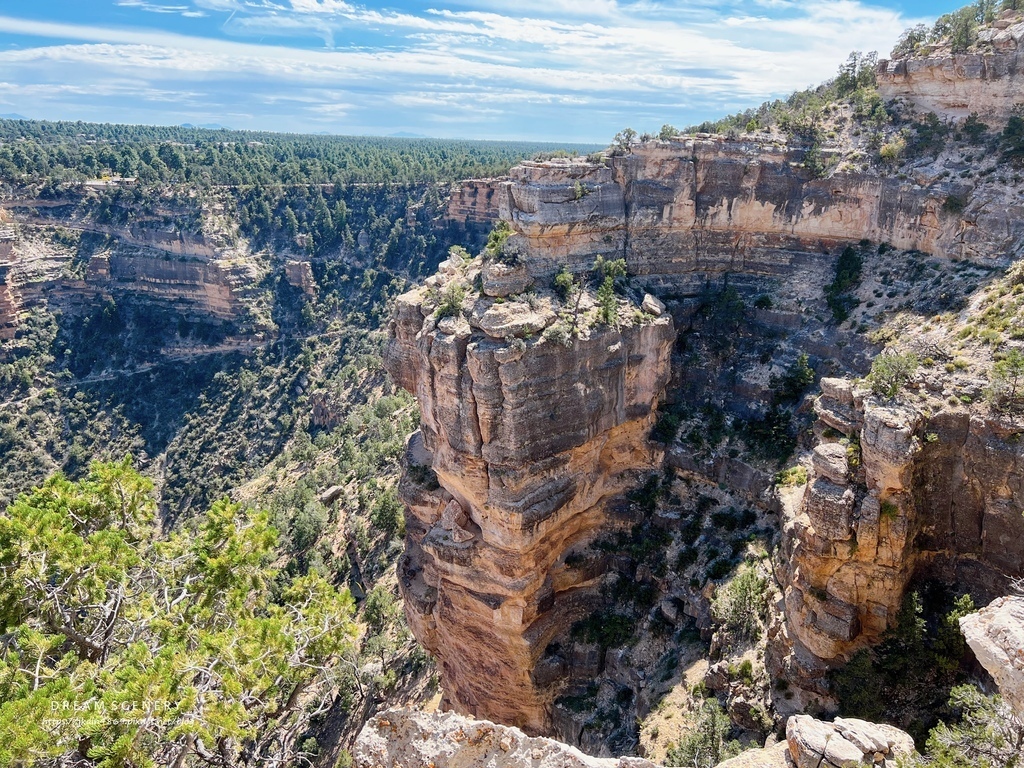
point(532, 441)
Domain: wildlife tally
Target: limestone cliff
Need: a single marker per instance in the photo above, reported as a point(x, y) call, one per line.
point(987, 81)
point(532, 438)
point(679, 210)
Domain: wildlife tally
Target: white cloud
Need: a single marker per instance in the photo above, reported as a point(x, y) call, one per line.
point(474, 59)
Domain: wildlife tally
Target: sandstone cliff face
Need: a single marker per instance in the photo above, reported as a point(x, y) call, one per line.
point(946, 488)
point(955, 85)
point(531, 439)
point(677, 211)
point(474, 203)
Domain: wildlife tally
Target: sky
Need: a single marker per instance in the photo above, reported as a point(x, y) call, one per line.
point(558, 70)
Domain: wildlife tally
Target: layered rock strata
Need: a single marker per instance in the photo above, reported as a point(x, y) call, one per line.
point(988, 82)
point(947, 489)
point(474, 203)
point(532, 439)
point(681, 210)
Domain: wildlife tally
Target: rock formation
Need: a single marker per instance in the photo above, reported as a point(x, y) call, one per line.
point(444, 740)
point(952, 85)
point(473, 204)
point(996, 635)
point(527, 441)
point(855, 535)
point(680, 210)
point(419, 740)
point(532, 437)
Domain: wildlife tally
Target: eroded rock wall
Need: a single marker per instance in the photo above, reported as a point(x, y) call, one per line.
point(680, 210)
point(988, 82)
point(532, 441)
point(945, 490)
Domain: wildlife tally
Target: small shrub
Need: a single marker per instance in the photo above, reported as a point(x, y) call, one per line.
point(666, 428)
point(740, 605)
point(890, 372)
point(792, 477)
point(451, 301)
point(889, 510)
point(564, 283)
point(496, 240)
point(847, 277)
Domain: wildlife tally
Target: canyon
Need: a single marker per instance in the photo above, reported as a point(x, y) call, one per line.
point(536, 419)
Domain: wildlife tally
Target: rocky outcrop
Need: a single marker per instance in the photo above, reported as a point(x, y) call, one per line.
point(845, 743)
point(444, 740)
point(681, 210)
point(299, 274)
point(532, 438)
point(847, 535)
point(988, 81)
point(924, 489)
point(996, 635)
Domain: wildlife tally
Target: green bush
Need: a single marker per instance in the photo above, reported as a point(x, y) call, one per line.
point(790, 386)
point(451, 301)
point(847, 277)
point(792, 477)
point(890, 372)
point(707, 744)
point(740, 605)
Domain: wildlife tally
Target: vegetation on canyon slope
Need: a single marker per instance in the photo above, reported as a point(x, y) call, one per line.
point(279, 404)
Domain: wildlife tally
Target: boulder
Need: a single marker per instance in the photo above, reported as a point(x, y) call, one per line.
point(413, 739)
point(996, 635)
point(501, 280)
point(846, 743)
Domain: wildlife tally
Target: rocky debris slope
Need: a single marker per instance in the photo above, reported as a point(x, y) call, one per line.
point(996, 635)
point(444, 740)
point(532, 436)
point(414, 739)
point(953, 85)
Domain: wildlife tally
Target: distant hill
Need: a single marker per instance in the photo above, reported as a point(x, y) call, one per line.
point(14, 116)
point(407, 135)
point(207, 126)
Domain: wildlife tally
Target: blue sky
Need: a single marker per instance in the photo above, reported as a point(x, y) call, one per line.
point(563, 70)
